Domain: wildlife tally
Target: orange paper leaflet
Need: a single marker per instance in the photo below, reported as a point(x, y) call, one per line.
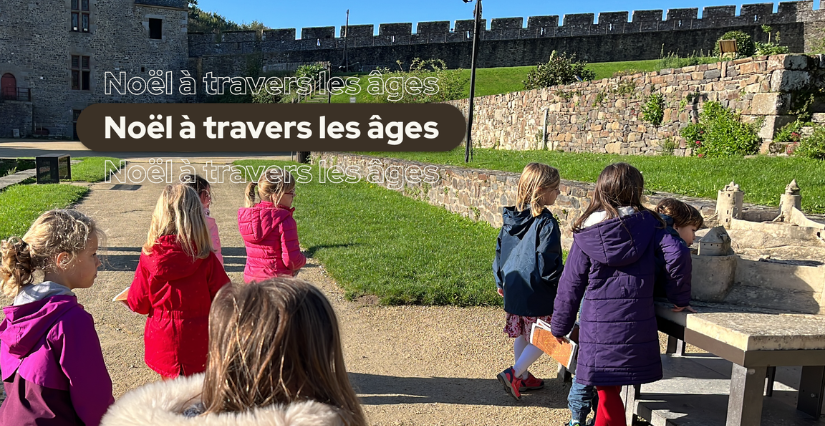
point(563, 353)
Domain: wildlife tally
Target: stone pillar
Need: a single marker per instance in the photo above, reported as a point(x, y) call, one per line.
point(729, 204)
point(790, 199)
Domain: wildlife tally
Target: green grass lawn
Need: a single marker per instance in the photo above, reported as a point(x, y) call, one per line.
point(375, 241)
point(494, 81)
point(20, 205)
point(762, 179)
point(92, 169)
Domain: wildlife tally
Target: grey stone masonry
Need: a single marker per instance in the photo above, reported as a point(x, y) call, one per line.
point(606, 115)
point(38, 42)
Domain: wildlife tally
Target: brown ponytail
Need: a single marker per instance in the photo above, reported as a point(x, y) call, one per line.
point(16, 268)
point(251, 190)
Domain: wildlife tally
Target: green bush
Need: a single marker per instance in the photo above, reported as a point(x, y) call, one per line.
point(560, 69)
point(719, 133)
point(769, 48)
point(813, 146)
point(789, 133)
point(744, 44)
point(653, 111)
point(450, 83)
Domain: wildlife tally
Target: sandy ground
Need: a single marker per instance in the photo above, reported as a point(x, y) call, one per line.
point(411, 365)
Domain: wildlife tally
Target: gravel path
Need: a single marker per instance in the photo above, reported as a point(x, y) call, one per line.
point(411, 365)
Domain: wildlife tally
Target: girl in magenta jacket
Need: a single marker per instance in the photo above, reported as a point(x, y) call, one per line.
point(176, 280)
point(50, 356)
point(268, 229)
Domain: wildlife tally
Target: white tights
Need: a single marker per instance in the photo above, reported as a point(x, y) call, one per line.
point(526, 354)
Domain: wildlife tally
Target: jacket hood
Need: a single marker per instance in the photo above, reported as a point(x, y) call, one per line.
point(168, 261)
point(162, 403)
point(25, 325)
point(517, 223)
point(257, 221)
point(40, 291)
point(619, 241)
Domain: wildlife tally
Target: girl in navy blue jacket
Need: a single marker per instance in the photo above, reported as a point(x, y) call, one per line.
point(527, 268)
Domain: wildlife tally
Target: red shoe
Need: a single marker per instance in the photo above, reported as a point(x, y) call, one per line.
point(531, 383)
point(510, 382)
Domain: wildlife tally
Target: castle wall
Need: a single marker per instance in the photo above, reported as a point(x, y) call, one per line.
point(606, 37)
point(38, 44)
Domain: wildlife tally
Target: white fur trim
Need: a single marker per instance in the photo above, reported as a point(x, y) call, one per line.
point(161, 403)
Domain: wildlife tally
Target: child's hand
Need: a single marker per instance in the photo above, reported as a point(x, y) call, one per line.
point(500, 291)
point(683, 308)
point(561, 340)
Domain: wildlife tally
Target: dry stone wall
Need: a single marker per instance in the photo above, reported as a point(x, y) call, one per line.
point(606, 115)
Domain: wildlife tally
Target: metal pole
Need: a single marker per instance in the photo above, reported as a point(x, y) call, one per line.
point(476, 31)
point(346, 36)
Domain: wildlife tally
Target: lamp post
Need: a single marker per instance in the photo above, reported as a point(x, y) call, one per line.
point(476, 31)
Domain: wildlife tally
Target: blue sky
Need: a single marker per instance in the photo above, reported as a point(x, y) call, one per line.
point(323, 13)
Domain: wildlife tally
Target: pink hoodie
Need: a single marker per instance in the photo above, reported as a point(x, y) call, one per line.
point(271, 237)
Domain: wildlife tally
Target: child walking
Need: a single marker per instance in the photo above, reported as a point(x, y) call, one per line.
point(613, 255)
point(268, 229)
point(275, 358)
point(527, 268)
point(177, 277)
point(204, 191)
point(51, 360)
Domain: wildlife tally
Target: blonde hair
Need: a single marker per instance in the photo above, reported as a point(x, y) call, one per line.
point(535, 178)
point(179, 212)
point(683, 214)
point(276, 342)
point(271, 186)
point(54, 232)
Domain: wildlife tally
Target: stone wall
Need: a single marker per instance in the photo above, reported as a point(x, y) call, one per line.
point(37, 46)
point(613, 36)
point(606, 115)
point(480, 194)
point(15, 115)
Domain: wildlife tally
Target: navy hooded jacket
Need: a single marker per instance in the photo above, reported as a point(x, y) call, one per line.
point(528, 262)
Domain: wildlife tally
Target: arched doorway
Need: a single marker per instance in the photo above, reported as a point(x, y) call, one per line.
point(8, 87)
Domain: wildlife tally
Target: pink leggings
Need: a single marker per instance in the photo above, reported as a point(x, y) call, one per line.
point(611, 408)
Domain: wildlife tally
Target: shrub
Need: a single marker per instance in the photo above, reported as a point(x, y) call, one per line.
point(813, 146)
point(719, 133)
point(770, 48)
point(312, 71)
point(451, 83)
point(560, 69)
point(653, 111)
point(744, 44)
point(789, 133)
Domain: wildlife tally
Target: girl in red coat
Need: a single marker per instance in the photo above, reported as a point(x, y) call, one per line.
point(177, 277)
point(268, 229)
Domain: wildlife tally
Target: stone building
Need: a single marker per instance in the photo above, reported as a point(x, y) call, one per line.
point(53, 56)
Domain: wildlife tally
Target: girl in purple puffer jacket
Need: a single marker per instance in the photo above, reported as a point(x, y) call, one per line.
point(615, 244)
point(50, 356)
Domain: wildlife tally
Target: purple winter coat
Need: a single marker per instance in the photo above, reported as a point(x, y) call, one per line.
point(614, 261)
point(52, 365)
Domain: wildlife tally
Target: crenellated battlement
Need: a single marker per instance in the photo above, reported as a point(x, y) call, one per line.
point(581, 24)
point(602, 37)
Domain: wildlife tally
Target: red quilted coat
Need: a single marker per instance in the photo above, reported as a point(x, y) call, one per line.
point(271, 237)
point(176, 293)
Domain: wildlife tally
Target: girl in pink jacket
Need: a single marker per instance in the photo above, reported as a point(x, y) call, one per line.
point(204, 190)
point(268, 229)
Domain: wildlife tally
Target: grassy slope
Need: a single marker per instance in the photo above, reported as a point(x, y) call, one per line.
point(91, 169)
point(20, 205)
point(377, 241)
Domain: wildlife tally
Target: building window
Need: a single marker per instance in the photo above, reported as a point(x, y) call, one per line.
point(80, 72)
point(80, 16)
point(155, 28)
